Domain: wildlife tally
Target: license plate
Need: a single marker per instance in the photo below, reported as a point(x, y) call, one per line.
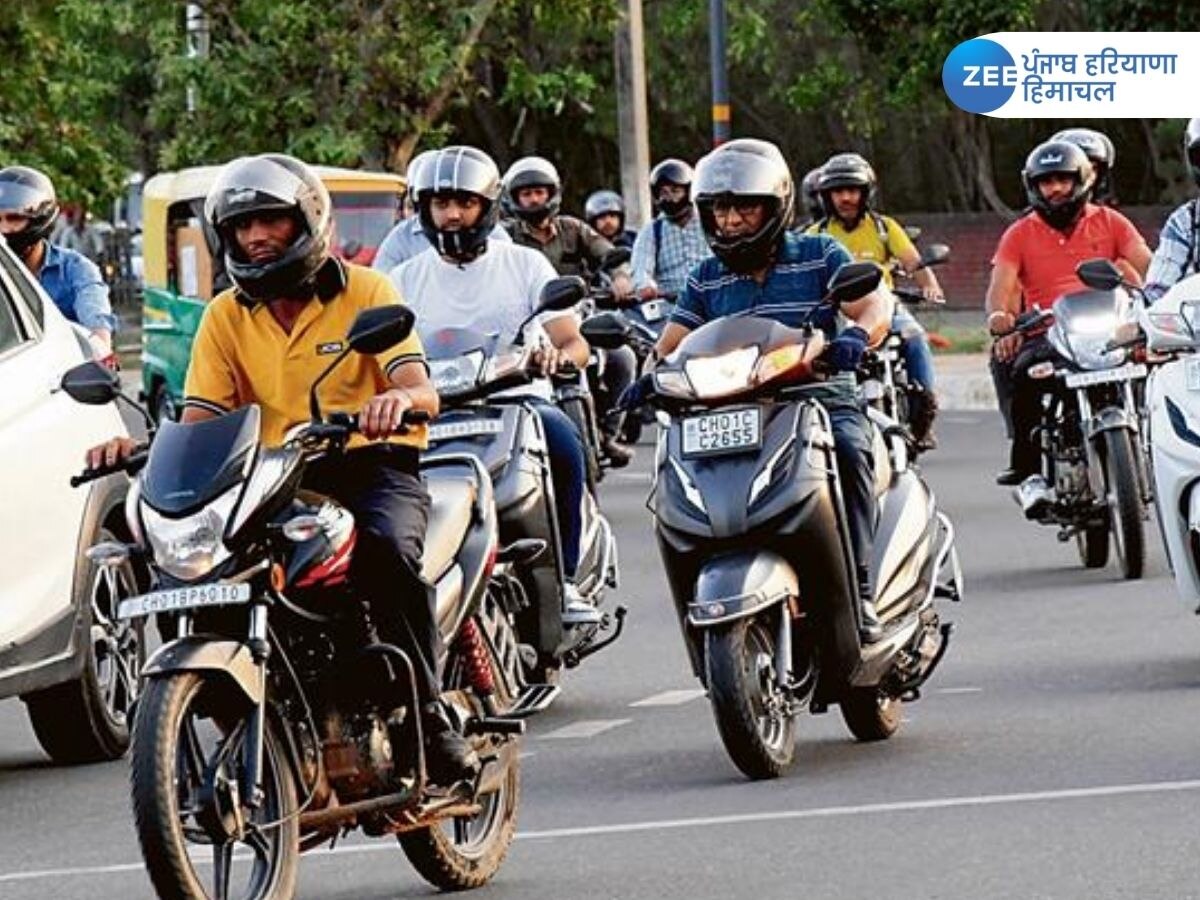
point(1087, 379)
point(1191, 369)
point(655, 310)
point(729, 431)
point(445, 431)
point(183, 598)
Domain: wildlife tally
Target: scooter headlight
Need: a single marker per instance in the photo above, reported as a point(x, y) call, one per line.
point(456, 375)
point(720, 376)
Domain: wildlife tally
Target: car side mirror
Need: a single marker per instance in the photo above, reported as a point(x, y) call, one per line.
point(562, 293)
point(606, 330)
point(380, 328)
point(1099, 274)
point(91, 383)
point(853, 281)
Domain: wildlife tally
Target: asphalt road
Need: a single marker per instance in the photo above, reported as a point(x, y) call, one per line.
point(1052, 756)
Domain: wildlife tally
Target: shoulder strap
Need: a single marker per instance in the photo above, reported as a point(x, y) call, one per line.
point(658, 233)
point(881, 229)
point(1192, 263)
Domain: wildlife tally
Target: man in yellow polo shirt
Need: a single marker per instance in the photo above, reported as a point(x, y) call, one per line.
point(846, 185)
point(267, 339)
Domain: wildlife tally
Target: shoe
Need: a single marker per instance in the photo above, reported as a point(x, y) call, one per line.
point(922, 411)
point(1035, 496)
point(1010, 477)
point(449, 757)
point(618, 455)
point(576, 610)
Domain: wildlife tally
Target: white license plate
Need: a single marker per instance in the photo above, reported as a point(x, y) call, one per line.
point(1191, 369)
point(1087, 379)
point(729, 431)
point(183, 598)
point(654, 310)
point(445, 431)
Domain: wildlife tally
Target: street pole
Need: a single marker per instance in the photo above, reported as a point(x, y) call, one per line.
point(720, 72)
point(197, 33)
point(629, 50)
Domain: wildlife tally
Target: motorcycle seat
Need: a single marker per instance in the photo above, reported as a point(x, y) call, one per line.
point(452, 498)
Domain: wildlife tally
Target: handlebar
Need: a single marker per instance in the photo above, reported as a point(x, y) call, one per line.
point(131, 464)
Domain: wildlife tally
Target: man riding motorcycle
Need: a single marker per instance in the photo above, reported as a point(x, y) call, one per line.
point(744, 196)
point(1035, 262)
point(473, 282)
point(1101, 153)
point(669, 246)
point(605, 211)
point(1178, 251)
point(847, 187)
point(28, 209)
point(267, 339)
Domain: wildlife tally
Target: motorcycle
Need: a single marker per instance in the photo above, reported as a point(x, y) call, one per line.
point(1090, 426)
point(753, 536)
point(472, 372)
point(275, 720)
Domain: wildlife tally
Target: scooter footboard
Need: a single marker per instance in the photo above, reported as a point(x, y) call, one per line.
point(736, 585)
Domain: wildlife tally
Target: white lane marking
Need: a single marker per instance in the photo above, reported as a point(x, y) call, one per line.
point(960, 690)
point(825, 812)
point(585, 729)
point(634, 477)
point(526, 754)
point(671, 698)
point(963, 420)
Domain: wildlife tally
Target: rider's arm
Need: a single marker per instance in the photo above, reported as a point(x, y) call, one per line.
point(93, 308)
point(669, 339)
point(870, 313)
point(563, 332)
point(1132, 247)
point(1003, 297)
point(642, 257)
point(1171, 256)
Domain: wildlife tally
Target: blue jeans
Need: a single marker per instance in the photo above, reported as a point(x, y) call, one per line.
point(568, 468)
point(918, 358)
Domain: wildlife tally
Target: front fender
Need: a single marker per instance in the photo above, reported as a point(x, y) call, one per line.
point(197, 653)
point(1111, 418)
point(741, 584)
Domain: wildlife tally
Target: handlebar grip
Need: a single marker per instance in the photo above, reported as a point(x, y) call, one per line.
point(131, 463)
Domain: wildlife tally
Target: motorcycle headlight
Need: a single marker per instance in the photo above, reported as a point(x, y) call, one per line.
point(506, 364)
point(718, 376)
point(191, 547)
point(456, 375)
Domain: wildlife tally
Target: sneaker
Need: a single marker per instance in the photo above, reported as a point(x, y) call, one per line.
point(1009, 478)
point(617, 454)
point(449, 757)
point(1035, 496)
point(576, 610)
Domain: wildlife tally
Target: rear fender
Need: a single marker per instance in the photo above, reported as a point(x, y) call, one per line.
point(738, 585)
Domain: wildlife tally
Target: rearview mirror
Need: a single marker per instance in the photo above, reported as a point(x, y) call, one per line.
point(935, 255)
point(615, 258)
point(853, 281)
point(380, 328)
point(606, 330)
point(91, 383)
point(1099, 274)
point(562, 293)
point(913, 231)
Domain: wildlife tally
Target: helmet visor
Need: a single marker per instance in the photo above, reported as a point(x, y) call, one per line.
point(21, 199)
point(251, 186)
point(736, 173)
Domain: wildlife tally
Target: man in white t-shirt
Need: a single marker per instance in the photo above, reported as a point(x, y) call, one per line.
point(493, 287)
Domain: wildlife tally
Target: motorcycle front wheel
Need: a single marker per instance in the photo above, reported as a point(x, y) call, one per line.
point(189, 743)
point(1125, 505)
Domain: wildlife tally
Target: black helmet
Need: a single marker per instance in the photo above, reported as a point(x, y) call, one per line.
point(812, 194)
point(532, 171)
point(1101, 153)
point(1191, 148)
point(28, 192)
point(1058, 157)
point(458, 170)
point(847, 170)
point(671, 171)
point(275, 183)
point(601, 203)
point(747, 168)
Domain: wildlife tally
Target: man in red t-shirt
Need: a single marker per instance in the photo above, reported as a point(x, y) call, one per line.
point(1036, 261)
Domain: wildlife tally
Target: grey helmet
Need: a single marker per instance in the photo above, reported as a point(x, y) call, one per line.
point(412, 174)
point(1101, 152)
point(746, 168)
point(677, 172)
point(601, 203)
point(532, 171)
point(847, 170)
point(810, 190)
point(30, 193)
point(272, 183)
point(1191, 148)
point(458, 170)
point(1058, 158)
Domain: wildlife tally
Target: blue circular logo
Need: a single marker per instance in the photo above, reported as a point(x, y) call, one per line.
point(979, 75)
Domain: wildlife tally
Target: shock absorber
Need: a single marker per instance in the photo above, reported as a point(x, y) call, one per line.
point(475, 660)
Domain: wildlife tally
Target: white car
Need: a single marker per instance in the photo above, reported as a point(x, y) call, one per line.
point(61, 650)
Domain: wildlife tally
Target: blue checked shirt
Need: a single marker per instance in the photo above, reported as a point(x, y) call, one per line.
point(669, 265)
point(74, 284)
point(1175, 247)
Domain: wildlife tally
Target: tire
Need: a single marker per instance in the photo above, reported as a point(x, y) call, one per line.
point(1093, 546)
point(87, 719)
point(870, 714)
point(159, 782)
point(1127, 511)
point(741, 672)
point(472, 851)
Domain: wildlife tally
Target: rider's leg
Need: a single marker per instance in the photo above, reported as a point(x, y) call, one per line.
point(856, 471)
point(620, 369)
point(918, 359)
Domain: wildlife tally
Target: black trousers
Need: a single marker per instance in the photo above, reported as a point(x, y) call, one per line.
point(856, 470)
point(381, 486)
point(1026, 455)
point(620, 369)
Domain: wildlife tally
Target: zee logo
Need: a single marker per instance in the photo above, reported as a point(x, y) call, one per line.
point(979, 76)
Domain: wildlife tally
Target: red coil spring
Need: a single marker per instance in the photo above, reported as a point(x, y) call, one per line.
point(475, 659)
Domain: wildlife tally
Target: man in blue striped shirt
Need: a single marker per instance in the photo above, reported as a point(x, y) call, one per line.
point(744, 195)
point(1178, 252)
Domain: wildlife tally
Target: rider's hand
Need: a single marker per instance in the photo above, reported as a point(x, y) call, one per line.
point(1006, 347)
point(933, 294)
point(109, 454)
point(622, 288)
point(648, 291)
point(635, 395)
point(546, 359)
point(846, 350)
point(384, 413)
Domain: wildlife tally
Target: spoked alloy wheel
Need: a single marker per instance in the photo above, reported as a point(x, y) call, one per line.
point(200, 840)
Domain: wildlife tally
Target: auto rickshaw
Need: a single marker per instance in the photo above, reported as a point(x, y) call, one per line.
point(181, 273)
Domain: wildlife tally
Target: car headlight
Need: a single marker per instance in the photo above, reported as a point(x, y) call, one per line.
point(456, 375)
point(189, 548)
point(718, 376)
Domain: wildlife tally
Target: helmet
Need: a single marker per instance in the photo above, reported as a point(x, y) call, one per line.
point(844, 170)
point(532, 171)
point(672, 171)
point(30, 193)
point(601, 203)
point(1100, 152)
point(271, 182)
point(1058, 157)
point(812, 196)
point(458, 170)
point(412, 174)
point(745, 167)
point(1191, 148)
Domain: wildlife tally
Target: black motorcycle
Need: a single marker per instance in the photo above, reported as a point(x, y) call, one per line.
point(275, 720)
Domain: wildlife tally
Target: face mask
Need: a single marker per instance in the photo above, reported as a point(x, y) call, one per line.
point(21, 242)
